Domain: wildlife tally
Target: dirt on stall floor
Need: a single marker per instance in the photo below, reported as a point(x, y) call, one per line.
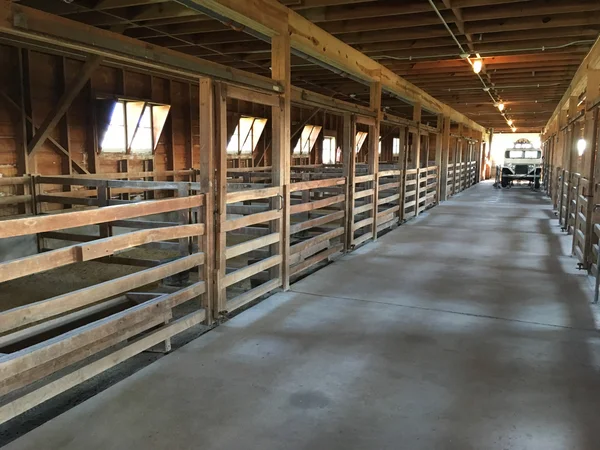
point(48, 284)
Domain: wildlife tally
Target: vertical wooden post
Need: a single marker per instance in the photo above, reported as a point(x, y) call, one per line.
point(403, 157)
point(374, 131)
point(281, 121)
point(220, 162)
point(592, 122)
point(103, 195)
point(570, 148)
point(189, 130)
point(417, 153)
point(438, 155)
point(443, 178)
point(349, 162)
point(458, 160)
point(207, 130)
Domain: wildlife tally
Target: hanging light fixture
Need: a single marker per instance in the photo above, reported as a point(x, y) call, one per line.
point(477, 65)
point(581, 145)
point(509, 122)
point(500, 106)
point(514, 129)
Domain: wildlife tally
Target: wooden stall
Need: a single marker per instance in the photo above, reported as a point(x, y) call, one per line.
point(185, 188)
point(54, 335)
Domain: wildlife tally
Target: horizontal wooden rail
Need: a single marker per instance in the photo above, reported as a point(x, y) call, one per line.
point(364, 193)
point(253, 219)
point(314, 184)
point(40, 224)
point(70, 380)
point(255, 194)
point(27, 314)
point(14, 181)
point(23, 360)
point(253, 269)
point(93, 250)
point(248, 246)
point(296, 228)
point(364, 178)
point(309, 206)
point(319, 257)
point(15, 199)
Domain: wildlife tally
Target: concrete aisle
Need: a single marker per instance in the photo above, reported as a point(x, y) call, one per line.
point(465, 329)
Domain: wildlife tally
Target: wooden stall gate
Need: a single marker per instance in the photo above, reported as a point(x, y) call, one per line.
point(34, 342)
point(250, 240)
point(389, 202)
point(450, 180)
point(580, 222)
point(317, 222)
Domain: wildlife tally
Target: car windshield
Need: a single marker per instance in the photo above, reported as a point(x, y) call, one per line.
point(523, 154)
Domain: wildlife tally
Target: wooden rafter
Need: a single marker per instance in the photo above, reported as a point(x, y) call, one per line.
point(61, 107)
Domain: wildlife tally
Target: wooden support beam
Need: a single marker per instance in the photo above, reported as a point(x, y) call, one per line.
point(270, 18)
point(45, 28)
point(374, 132)
point(54, 142)
point(349, 165)
point(207, 186)
point(220, 148)
point(579, 81)
point(61, 107)
point(438, 155)
point(443, 170)
point(417, 153)
point(281, 151)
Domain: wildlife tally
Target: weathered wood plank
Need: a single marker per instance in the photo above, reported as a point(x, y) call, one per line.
point(255, 194)
point(235, 224)
point(33, 312)
point(40, 224)
point(316, 222)
point(56, 387)
point(247, 272)
point(28, 358)
point(319, 257)
point(252, 294)
point(245, 247)
point(303, 207)
point(304, 185)
point(301, 246)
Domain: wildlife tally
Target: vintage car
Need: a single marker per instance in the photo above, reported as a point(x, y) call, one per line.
point(522, 163)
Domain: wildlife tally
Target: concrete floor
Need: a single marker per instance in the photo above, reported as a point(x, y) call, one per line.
point(465, 329)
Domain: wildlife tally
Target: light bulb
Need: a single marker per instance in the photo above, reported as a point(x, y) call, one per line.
point(509, 122)
point(581, 145)
point(477, 65)
point(501, 106)
point(514, 129)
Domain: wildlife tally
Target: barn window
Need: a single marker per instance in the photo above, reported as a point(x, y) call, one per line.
point(246, 135)
point(361, 137)
point(128, 126)
point(307, 140)
point(329, 150)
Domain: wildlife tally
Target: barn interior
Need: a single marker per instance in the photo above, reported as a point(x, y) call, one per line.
point(170, 167)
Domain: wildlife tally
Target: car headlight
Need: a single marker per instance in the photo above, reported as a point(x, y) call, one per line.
point(511, 166)
point(530, 167)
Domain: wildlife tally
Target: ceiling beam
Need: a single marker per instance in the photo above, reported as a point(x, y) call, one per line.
point(41, 27)
point(579, 81)
point(316, 43)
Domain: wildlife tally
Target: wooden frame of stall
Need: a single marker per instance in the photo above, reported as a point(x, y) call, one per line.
point(35, 333)
point(570, 174)
point(295, 223)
